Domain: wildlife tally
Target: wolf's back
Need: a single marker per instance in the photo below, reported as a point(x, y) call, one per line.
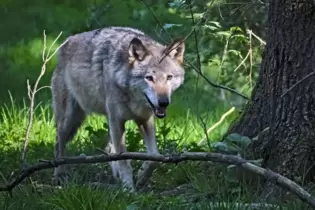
point(100, 45)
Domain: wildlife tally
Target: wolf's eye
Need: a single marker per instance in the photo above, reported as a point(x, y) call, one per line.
point(149, 78)
point(169, 77)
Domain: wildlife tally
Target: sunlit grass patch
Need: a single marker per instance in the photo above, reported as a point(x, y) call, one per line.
point(76, 197)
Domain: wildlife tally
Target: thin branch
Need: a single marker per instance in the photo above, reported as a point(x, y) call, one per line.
point(203, 124)
point(31, 93)
point(262, 42)
point(48, 57)
point(242, 62)
point(29, 90)
point(204, 128)
point(156, 19)
point(195, 37)
point(296, 84)
point(193, 30)
point(217, 124)
point(225, 49)
point(189, 64)
point(44, 48)
point(53, 54)
point(43, 87)
point(174, 158)
point(250, 58)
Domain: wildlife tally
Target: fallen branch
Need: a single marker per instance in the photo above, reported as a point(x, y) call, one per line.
point(175, 158)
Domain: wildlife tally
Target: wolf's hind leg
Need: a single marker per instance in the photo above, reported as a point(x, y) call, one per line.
point(147, 129)
point(67, 126)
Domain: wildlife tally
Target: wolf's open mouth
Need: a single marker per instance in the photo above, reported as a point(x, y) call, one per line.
point(159, 112)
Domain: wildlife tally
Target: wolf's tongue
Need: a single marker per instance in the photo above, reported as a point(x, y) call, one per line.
point(160, 112)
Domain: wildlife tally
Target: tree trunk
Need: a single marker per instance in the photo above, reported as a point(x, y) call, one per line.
point(285, 125)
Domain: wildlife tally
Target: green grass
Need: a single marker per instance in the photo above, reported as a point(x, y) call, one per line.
point(183, 186)
point(192, 110)
point(204, 183)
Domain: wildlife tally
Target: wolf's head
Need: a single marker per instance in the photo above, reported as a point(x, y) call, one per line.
point(156, 72)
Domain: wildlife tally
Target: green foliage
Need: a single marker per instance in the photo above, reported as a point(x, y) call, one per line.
point(234, 143)
point(222, 44)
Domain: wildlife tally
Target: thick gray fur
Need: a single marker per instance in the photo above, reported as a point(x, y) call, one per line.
point(123, 74)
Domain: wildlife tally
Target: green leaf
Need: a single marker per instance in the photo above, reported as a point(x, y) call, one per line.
point(176, 3)
point(196, 15)
point(210, 27)
point(235, 52)
point(132, 207)
point(257, 162)
point(237, 138)
point(233, 148)
point(171, 25)
point(221, 146)
point(224, 33)
point(235, 28)
point(226, 147)
point(217, 24)
point(245, 140)
point(234, 137)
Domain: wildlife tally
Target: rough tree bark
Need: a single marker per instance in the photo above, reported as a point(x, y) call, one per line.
point(287, 147)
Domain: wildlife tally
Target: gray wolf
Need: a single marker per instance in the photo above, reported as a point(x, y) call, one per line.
point(123, 74)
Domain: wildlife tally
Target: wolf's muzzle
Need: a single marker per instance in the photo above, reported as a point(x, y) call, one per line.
point(163, 101)
point(160, 110)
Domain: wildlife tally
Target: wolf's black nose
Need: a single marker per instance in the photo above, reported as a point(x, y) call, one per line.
point(163, 101)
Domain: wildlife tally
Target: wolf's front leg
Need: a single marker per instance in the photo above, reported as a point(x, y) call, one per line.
point(117, 136)
point(147, 129)
point(114, 164)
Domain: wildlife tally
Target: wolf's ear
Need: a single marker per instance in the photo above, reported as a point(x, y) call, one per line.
point(137, 51)
point(176, 50)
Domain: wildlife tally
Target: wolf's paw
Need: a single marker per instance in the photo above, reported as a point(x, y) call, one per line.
point(61, 178)
point(128, 188)
point(115, 170)
point(145, 172)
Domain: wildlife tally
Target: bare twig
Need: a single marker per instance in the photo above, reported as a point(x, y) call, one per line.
point(204, 128)
point(156, 19)
point(262, 42)
point(203, 123)
point(189, 64)
point(217, 124)
point(193, 30)
point(225, 50)
point(242, 62)
point(43, 87)
point(250, 55)
point(296, 84)
point(32, 92)
point(174, 158)
point(250, 58)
